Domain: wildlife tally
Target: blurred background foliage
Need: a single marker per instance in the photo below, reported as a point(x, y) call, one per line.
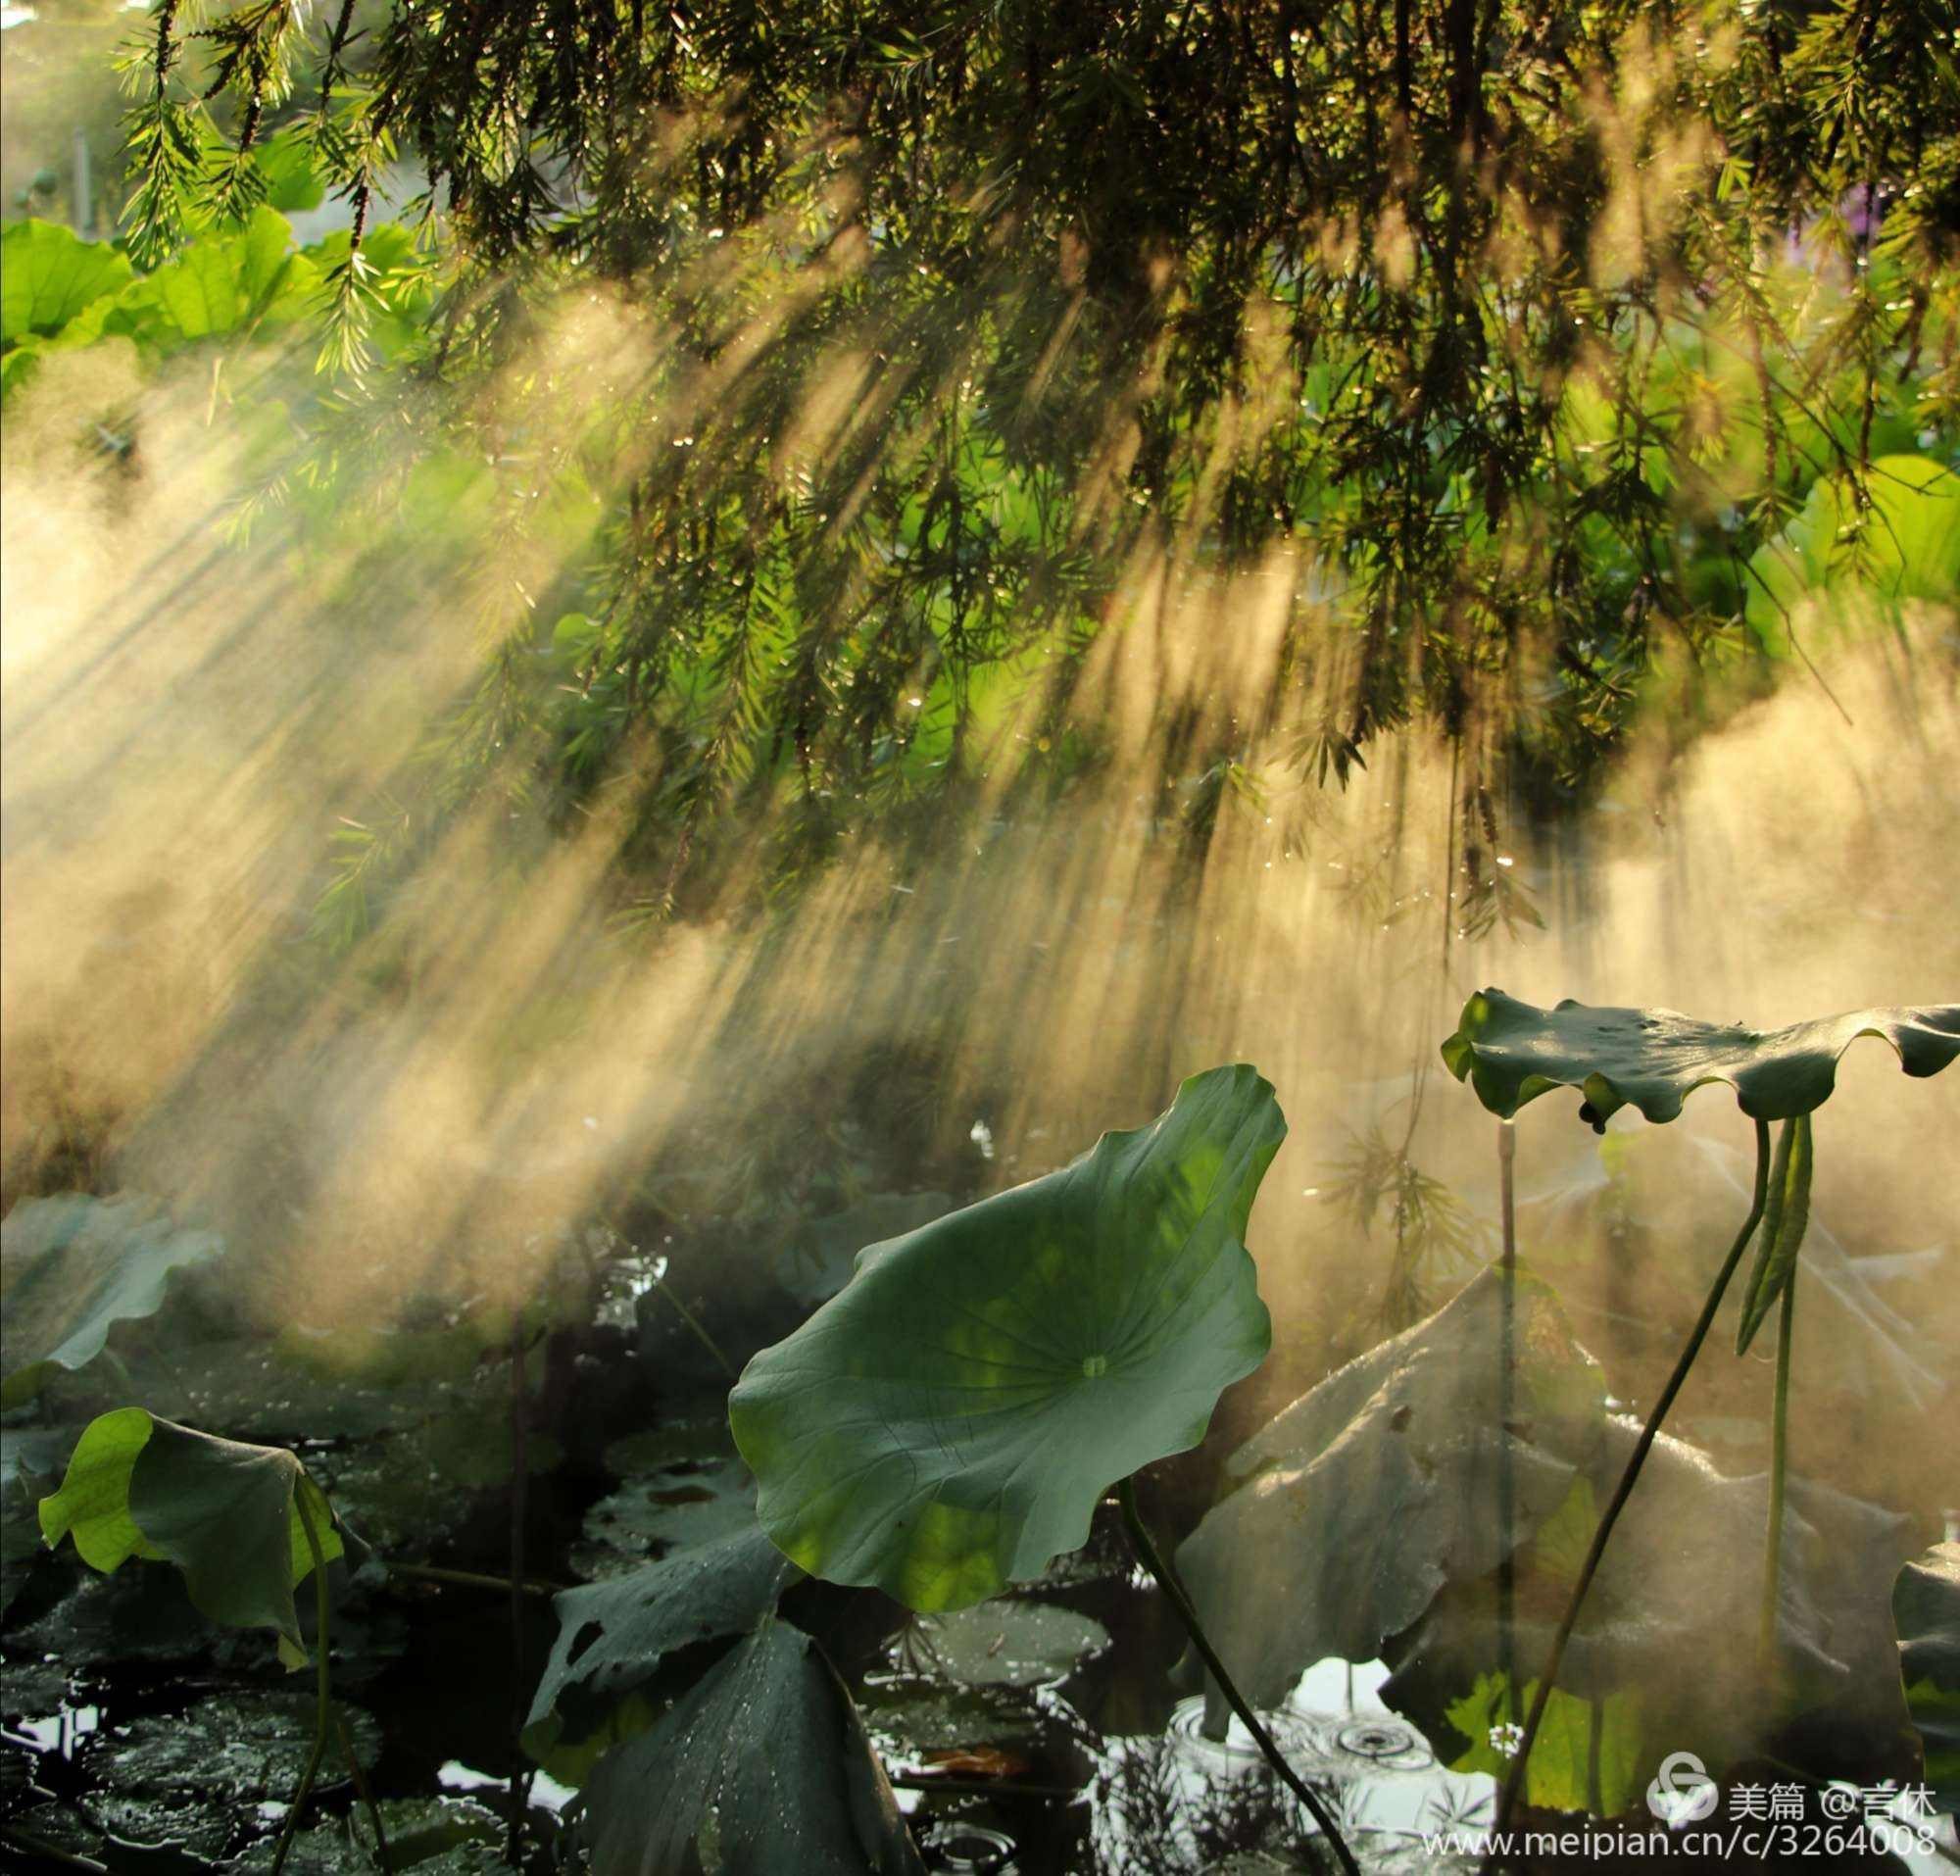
point(859, 369)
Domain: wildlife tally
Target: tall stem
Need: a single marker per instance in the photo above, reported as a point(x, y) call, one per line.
point(1779, 1472)
point(1507, 1149)
point(519, 1476)
point(1514, 1782)
point(323, 1714)
point(1173, 1589)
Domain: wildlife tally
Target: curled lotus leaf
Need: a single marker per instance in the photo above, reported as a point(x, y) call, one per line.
point(946, 1424)
point(230, 1516)
point(1512, 1052)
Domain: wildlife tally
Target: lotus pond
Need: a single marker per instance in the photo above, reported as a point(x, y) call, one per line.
point(995, 1535)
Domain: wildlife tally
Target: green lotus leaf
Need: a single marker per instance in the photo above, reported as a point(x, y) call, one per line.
point(1900, 540)
point(286, 162)
point(612, 1637)
point(947, 1424)
point(48, 273)
point(1926, 1611)
point(72, 1266)
point(1350, 1510)
point(227, 1514)
point(694, 1792)
point(1514, 1051)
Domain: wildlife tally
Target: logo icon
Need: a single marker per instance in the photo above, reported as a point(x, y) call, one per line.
point(1682, 1793)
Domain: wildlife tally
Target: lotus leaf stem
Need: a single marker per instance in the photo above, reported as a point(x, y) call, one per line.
point(1779, 1473)
point(700, 1335)
point(324, 1716)
point(1514, 1782)
point(1174, 1592)
point(520, 1476)
point(367, 1795)
point(468, 1579)
point(1507, 1594)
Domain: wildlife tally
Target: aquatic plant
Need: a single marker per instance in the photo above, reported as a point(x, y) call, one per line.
point(1511, 1053)
point(244, 1523)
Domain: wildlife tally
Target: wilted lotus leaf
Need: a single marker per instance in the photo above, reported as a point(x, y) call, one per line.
point(694, 1792)
point(72, 1266)
point(225, 1513)
point(1925, 1609)
point(947, 1423)
point(1356, 1505)
point(1514, 1051)
point(612, 1637)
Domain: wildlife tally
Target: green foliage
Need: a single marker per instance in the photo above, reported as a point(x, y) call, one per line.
point(72, 1267)
point(1891, 534)
point(235, 281)
point(1480, 331)
point(1926, 1611)
point(947, 1423)
point(227, 1514)
point(1511, 1053)
point(1786, 1219)
point(1562, 1775)
point(48, 275)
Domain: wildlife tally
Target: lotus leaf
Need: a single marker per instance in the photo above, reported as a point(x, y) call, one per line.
point(694, 1792)
point(947, 1424)
point(612, 1637)
point(1355, 1505)
point(1926, 1611)
point(48, 273)
point(673, 1507)
point(73, 1266)
point(1013, 1643)
point(225, 1513)
point(1514, 1051)
point(1907, 545)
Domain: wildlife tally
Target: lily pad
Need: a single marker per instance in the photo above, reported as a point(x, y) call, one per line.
point(1355, 1505)
point(73, 1266)
point(227, 1514)
point(676, 1507)
point(947, 1424)
point(1011, 1642)
point(612, 1637)
point(1925, 1609)
point(239, 1747)
point(693, 1792)
point(1514, 1051)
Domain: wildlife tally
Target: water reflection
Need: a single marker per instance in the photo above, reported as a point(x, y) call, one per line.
point(1180, 1804)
